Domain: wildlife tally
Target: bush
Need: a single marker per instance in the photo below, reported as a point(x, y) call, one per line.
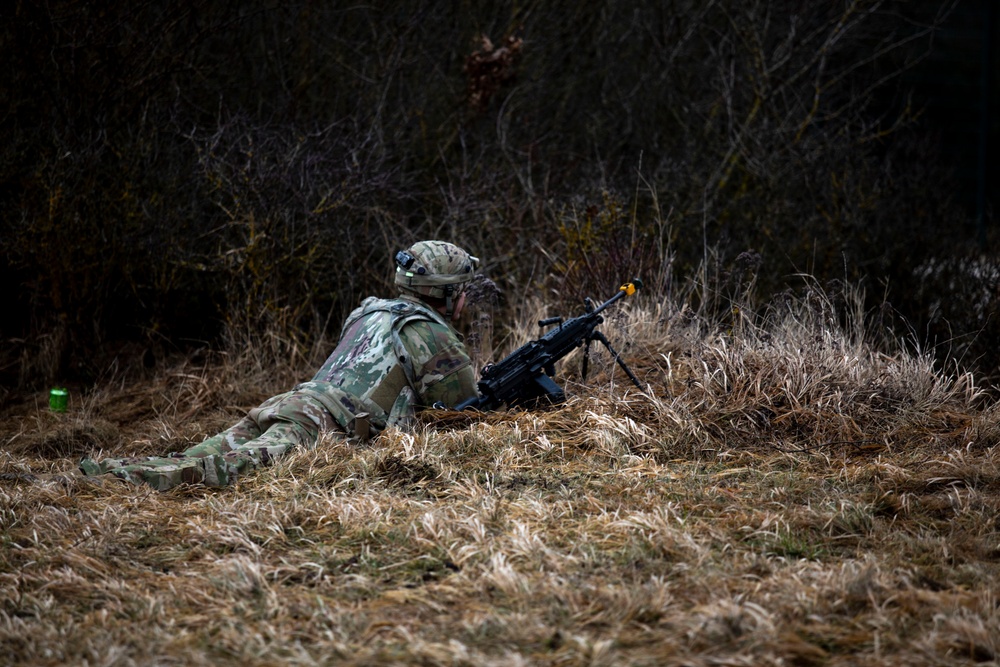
point(179, 168)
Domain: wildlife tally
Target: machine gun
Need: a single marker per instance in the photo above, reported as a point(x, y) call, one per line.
point(524, 378)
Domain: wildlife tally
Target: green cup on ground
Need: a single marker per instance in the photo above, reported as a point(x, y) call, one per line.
point(58, 398)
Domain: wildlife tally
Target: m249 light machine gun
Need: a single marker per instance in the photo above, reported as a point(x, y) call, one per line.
point(524, 378)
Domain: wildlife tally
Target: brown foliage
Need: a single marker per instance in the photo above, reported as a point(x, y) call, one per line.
point(725, 515)
point(491, 68)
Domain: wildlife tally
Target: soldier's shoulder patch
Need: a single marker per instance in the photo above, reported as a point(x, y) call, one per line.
point(375, 305)
point(403, 308)
point(405, 311)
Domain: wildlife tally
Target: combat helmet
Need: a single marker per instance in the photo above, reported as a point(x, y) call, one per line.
point(435, 269)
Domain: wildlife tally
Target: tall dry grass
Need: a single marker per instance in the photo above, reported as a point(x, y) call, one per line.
point(783, 491)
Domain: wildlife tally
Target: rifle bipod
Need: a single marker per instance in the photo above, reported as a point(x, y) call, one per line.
point(598, 336)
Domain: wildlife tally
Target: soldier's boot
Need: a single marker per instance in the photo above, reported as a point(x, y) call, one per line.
point(90, 467)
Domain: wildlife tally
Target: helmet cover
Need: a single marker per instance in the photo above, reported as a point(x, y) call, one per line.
point(437, 269)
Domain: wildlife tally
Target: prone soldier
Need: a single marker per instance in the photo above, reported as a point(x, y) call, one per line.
point(394, 357)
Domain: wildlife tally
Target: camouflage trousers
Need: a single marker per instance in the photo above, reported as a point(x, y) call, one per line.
point(279, 425)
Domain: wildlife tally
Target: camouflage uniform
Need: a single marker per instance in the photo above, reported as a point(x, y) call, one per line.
point(394, 357)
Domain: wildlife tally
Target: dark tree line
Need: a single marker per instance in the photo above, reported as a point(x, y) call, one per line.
point(174, 169)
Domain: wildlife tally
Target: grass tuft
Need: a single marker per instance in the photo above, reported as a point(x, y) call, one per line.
point(780, 492)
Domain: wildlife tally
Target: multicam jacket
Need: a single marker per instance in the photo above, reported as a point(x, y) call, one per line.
point(394, 356)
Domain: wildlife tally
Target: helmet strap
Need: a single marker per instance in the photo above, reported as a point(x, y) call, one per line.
point(449, 302)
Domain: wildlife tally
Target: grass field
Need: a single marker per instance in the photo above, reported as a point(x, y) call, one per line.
point(781, 494)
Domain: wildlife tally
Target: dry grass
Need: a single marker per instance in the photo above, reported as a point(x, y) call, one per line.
point(781, 494)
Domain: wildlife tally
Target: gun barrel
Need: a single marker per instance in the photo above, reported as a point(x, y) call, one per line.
point(627, 289)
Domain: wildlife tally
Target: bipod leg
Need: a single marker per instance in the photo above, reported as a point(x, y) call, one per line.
point(586, 360)
point(621, 362)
